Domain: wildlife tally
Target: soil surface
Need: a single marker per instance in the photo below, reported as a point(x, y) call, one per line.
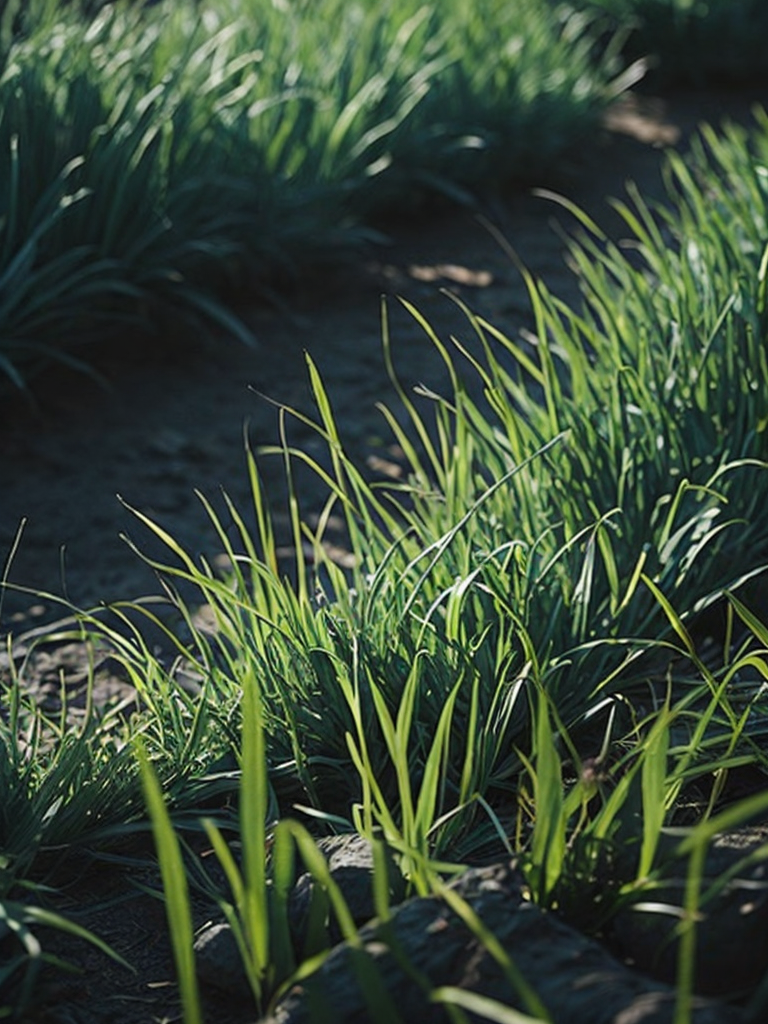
point(172, 421)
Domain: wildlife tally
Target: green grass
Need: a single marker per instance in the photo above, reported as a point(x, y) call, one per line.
point(529, 598)
point(70, 778)
point(156, 161)
point(628, 443)
point(514, 660)
point(71, 785)
point(157, 164)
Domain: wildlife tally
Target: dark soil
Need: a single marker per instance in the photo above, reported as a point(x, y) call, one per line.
point(172, 421)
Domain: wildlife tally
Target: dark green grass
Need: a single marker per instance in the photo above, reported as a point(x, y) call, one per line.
point(693, 42)
point(152, 158)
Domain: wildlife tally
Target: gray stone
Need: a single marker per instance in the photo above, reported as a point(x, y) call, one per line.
point(218, 961)
point(732, 931)
point(350, 862)
point(426, 945)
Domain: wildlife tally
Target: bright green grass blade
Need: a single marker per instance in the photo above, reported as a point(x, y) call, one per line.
point(281, 946)
point(548, 841)
point(317, 865)
point(482, 1006)
point(176, 894)
point(696, 845)
point(227, 861)
point(653, 778)
point(671, 614)
point(254, 802)
point(381, 900)
point(428, 804)
point(753, 623)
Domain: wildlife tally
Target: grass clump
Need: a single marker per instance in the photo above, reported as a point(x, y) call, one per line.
point(157, 161)
point(534, 597)
point(72, 792)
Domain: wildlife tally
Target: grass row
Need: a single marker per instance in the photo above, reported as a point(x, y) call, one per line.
point(692, 42)
point(515, 658)
point(156, 161)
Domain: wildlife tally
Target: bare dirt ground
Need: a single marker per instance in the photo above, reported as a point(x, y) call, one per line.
point(172, 422)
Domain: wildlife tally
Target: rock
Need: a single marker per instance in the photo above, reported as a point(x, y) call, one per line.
point(218, 961)
point(350, 861)
point(732, 934)
point(575, 978)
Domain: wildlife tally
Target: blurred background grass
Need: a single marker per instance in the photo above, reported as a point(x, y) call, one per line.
point(156, 160)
